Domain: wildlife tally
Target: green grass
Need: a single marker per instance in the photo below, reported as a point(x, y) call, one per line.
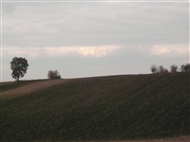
point(101, 108)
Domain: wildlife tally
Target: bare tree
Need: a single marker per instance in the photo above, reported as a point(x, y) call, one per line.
point(182, 68)
point(160, 69)
point(53, 74)
point(153, 69)
point(173, 68)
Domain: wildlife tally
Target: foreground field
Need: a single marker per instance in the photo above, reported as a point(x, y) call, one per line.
point(175, 139)
point(113, 108)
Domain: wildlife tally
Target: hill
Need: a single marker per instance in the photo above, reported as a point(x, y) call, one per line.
point(125, 107)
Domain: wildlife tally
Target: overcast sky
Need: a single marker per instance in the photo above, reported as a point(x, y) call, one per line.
point(84, 39)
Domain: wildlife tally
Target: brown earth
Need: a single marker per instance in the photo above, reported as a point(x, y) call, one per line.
point(143, 108)
point(176, 139)
point(29, 88)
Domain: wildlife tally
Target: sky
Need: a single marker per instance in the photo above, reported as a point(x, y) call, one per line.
point(96, 38)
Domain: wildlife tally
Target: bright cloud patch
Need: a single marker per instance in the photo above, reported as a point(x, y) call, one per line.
point(93, 51)
point(176, 50)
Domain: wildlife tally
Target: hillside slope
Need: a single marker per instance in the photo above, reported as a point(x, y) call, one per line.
point(17, 89)
point(99, 108)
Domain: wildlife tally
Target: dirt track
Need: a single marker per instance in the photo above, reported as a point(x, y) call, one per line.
point(31, 88)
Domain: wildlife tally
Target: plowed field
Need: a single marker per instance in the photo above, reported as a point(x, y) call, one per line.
point(111, 108)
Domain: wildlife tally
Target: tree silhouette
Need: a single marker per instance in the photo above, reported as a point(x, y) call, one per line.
point(19, 67)
point(173, 68)
point(187, 67)
point(153, 69)
point(53, 74)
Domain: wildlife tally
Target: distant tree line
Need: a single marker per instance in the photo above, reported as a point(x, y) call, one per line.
point(19, 67)
point(173, 69)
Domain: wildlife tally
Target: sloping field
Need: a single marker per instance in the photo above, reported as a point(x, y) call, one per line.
point(128, 107)
point(17, 89)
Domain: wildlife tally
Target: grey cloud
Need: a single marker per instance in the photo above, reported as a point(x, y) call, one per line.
point(9, 7)
point(58, 24)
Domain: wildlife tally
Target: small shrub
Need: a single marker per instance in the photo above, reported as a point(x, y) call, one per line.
point(53, 74)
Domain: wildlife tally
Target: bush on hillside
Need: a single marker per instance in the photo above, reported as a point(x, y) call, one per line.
point(187, 67)
point(53, 74)
point(153, 69)
point(182, 68)
point(173, 68)
point(159, 69)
